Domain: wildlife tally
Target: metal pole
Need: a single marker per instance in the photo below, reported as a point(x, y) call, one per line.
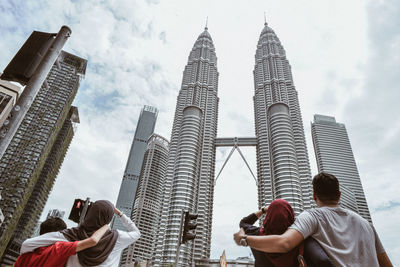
point(248, 166)
point(33, 87)
point(85, 208)
point(226, 161)
point(179, 240)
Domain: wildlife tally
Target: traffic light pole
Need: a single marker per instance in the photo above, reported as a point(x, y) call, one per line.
point(85, 208)
point(179, 239)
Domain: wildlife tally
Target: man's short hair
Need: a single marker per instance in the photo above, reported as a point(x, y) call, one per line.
point(326, 187)
point(53, 224)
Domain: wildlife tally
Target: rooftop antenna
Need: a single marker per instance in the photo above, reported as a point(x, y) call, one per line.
point(265, 19)
point(206, 28)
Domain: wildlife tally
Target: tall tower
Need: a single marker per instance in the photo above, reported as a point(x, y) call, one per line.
point(127, 191)
point(148, 202)
point(334, 155)
point(282, 160)
point(191, 162)
point(31, 162)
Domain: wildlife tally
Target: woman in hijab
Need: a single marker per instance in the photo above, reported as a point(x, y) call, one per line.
point(279, 216)
point(107, 251)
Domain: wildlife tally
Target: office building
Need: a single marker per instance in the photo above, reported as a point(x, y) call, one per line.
point(334, 155)
point(55, 213)
point(148, 201)
point(126, 196)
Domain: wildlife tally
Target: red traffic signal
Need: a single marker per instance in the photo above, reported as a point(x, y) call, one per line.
point(188, 225)
point(76, 210)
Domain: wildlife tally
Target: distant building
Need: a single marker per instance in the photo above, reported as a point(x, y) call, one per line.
point(334, 155)
point(31, 162)
point(9, 94)
point(127, 191)
point(55, 213)
point(223, 262)
point(148, 202)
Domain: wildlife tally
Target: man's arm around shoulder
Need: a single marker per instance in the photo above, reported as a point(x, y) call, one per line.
point(273, 243)
point(44, 240)
point(93, 240)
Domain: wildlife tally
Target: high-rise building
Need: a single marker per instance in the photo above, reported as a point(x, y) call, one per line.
point(148, 201)
point(55, 213)
point(144, 129)
point(30, 164)
point(334, 155)
point(189, 182)
point(282, 161)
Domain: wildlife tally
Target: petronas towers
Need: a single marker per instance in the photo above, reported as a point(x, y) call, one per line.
point(282, 160)
point(190, 173)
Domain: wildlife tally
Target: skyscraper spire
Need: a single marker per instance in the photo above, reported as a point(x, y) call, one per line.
point(265, 20)
point(206, 28)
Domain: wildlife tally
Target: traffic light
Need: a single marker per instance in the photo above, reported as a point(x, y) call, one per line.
point(79, 210)
point(188, 225)
point(76, 210)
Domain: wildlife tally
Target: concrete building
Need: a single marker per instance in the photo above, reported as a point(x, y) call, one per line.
point(148, 201)
point(31, 161)
point(282, 161)
point(189, 182)
point(126, 196)
point(55, 213)
point(334, 155)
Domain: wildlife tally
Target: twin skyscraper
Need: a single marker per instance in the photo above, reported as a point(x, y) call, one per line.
point(186, 179)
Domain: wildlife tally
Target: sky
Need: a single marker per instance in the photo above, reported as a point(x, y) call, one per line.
point(345, 62)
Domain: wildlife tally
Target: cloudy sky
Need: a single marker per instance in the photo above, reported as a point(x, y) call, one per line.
point(345, 62)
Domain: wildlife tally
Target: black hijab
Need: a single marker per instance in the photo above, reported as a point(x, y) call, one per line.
point(99, 214)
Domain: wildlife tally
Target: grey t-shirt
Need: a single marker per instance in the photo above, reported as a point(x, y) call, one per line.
point(347, 238)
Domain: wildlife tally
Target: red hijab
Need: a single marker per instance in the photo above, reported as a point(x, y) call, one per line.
point(280, 216)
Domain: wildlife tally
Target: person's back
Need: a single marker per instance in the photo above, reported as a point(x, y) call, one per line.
point(57, 254)
point(347, 238)
point(107, 252)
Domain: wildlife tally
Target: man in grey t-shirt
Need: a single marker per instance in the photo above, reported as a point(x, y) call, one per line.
point(347, 238)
